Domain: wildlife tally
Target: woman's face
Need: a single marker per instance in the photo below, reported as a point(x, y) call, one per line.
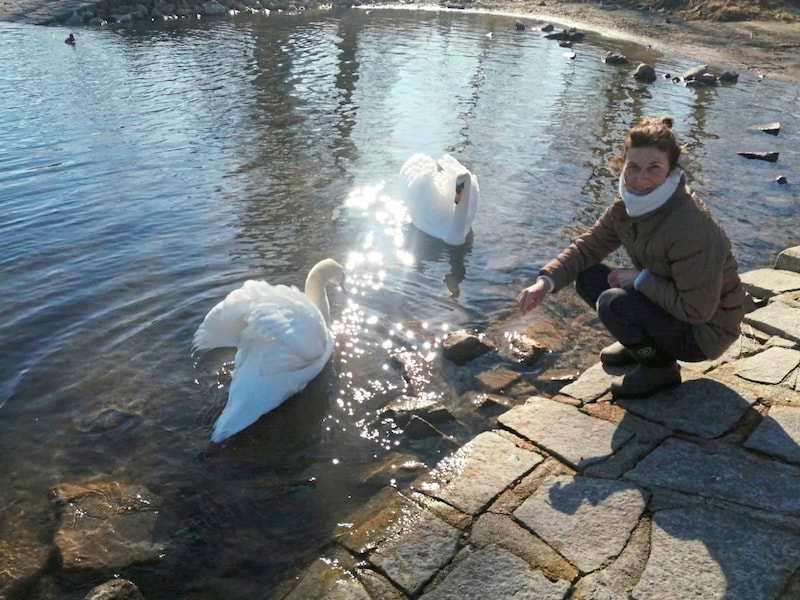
point(645, 169)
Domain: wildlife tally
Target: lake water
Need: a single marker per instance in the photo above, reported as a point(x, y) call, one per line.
point(145, 173)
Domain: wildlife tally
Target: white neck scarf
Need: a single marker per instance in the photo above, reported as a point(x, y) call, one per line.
point(636, 205)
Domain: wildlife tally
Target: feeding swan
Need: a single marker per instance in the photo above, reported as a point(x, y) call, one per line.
point(282, 342)
point(441, 197)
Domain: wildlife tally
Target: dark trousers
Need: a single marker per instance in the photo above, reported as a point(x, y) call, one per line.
point(633, 319)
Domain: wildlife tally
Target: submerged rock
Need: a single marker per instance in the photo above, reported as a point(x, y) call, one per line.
point(106, 526)
point(116, 589)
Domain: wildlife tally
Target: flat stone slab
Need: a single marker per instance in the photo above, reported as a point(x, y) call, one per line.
point(776, 318)
point(705, 553)
point(771, 366)
point(732, 474)
point(587, 520)
point(423, 545)
point(592, 383)
point(701, 406)
point(565, 432)
point(495, 573)
point(789, 260)
point(765, 283)
point(476, 473)
point(778, 433)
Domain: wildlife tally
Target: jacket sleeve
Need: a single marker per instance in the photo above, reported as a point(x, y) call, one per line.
point(692, 289)
point(600, 240)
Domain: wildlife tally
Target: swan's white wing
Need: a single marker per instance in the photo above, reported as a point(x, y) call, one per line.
point(224, 323)
point(430, 193)
point(288, 329)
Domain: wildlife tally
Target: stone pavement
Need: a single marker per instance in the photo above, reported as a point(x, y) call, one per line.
point(692, 493)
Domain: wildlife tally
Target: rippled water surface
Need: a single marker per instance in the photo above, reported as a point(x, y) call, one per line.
point(144, 174)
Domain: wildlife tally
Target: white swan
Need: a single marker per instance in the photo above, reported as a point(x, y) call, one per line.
point(282, 340)
point(441, 197)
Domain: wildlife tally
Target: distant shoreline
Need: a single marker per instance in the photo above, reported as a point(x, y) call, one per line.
point(762, 48)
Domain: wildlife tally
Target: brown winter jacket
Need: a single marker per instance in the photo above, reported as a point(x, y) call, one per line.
point(692, 272)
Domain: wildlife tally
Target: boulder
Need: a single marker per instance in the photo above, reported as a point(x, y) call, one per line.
point(645, 72)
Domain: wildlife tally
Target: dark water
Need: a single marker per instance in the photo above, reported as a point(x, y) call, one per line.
point(146, 173)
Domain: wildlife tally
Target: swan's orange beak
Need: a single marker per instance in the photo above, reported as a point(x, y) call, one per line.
point(459, 189)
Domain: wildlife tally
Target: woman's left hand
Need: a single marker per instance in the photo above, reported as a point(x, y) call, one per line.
point(623, 278)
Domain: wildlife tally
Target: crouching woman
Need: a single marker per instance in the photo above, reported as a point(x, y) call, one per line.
point(682, 298)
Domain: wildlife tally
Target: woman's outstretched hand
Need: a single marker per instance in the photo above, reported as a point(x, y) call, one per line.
point(532, 296)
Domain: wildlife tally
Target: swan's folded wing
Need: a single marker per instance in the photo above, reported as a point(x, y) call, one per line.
point(224, 323)
point(418, 168)
point(289, 331)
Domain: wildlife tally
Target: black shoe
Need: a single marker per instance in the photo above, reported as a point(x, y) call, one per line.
point(616, 355)
point(644, 380)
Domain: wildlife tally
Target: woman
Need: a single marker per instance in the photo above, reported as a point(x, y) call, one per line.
point(682, 299)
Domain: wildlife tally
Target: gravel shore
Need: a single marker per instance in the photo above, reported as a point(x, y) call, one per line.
point(763, 48)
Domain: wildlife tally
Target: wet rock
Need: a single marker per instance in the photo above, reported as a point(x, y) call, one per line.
point(462, 346)
point(729, 77)
point(479, 471)
point(24, 551)
point(519, 26)
point(108, 420)
point(694, 72)
point(767, 156)
point(701, 81)
point(501, 530)
point(522, 348)
point(770, 128)
point(614, 58)
point(700, 76)
point(418, 428)
point(116, 589)
point(402, 409)
point(106, 526)
point(571, 35)
point(412, 548)
point(645, 72)
point(497, 379)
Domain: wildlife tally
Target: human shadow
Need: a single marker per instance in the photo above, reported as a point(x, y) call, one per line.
point(704, 464)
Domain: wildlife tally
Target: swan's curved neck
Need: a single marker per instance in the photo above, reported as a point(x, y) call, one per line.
point(324, 272)
point(315, 291)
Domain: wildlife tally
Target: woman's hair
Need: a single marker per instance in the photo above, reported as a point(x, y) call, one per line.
point(655, 132)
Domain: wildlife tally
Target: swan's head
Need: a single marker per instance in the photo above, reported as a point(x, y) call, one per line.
point(461, 183)
point(330, 271)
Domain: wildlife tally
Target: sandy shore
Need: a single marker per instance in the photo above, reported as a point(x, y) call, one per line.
point(763, 48)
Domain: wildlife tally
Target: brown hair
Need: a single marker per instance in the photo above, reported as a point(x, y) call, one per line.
point(655, 132)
